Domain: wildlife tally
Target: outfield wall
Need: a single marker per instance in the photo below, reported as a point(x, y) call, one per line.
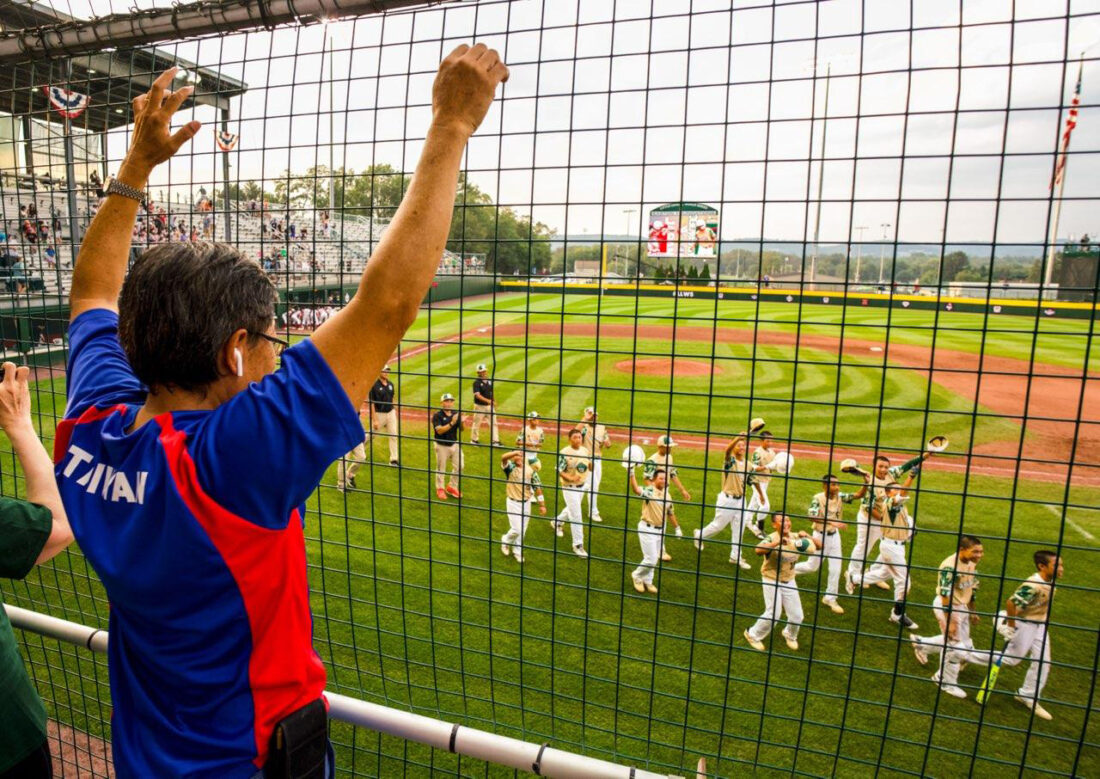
point(991, 306)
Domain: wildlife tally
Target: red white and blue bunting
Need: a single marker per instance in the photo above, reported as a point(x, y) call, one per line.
point(226, 141)
point(69, 104)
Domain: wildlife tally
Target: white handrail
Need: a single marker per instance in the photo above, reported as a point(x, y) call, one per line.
point(542, 760)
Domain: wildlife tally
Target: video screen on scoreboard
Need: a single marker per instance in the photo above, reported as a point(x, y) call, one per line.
point(683, 230)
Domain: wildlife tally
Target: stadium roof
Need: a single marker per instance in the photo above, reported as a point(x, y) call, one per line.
point(111, 78)
point(682, 207)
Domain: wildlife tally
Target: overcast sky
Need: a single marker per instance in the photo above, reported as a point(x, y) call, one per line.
point(620, 106)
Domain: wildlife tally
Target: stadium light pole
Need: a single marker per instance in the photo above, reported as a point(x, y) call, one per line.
point(820, 175)
point(859, 250)
point(882, 250)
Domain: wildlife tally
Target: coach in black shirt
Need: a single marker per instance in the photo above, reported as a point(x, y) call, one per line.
point(383, 416)
point(446, 424)
point(484, 405)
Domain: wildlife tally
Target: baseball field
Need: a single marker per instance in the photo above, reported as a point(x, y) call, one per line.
point(416, 607)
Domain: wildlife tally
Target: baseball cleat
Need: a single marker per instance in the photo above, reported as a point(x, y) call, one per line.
point(518, 557)
point(835, 607)
point(453, 492)
point(441, 493)
point(652, 590)
point(882, 585)
point(849, 585)
point(394, 462)
point(792, 643)
point(596, 518)
point(496, 443)
point(757, 645)
point(578, 550)
point(903, 620)
point(558, 529)
point(742, 562)
point(340, 487)
point(1039, 711)
point(918, 650)
point(639, 585)
point(697, 539)
point(665, 556)
point(953, 691)
point(351, 481)
point(505, 546)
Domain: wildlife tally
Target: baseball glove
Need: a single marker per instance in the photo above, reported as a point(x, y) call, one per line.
point(937, 443)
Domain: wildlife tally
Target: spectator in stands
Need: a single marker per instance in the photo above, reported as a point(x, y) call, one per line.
point(96, 183)
point(172, 382)
point(32, 531)
point(19, 275)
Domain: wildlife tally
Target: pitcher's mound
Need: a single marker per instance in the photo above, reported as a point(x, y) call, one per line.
point(663, 366)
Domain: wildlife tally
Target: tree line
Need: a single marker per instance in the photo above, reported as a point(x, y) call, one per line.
point(507, 238)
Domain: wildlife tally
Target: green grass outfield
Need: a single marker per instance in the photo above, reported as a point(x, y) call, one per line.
point(416, 607)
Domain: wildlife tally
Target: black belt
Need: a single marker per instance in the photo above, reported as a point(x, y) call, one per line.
point(655, 527)
point(831, 532)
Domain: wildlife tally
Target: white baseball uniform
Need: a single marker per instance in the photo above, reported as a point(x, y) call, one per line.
point(595, 437)
point(827, 514)
point(729, 510)
point(780, 589)
point(868, 530)
point(523, 480)
point(1032, 599)
point(760, 507)
point(651, 529)
point(574, 462)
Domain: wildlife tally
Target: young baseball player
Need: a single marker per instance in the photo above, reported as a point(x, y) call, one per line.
point(524, 488)
point(827, 514)
point(596, 439)
point(651, 528)
point(485, 407)
point(780, 551)
point(662, 460)
point(1024, 625)
point(896, 527)
point(868, 530)
point(759, 505)
point(729, 508)
point(446, 424)
point(531, 437)
point(352, 461)
point(954, 610)
point(574, 465)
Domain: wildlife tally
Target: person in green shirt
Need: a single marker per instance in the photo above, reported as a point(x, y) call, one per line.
point(31, 532)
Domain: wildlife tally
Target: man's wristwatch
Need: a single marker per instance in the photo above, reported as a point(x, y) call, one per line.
point(116, 187)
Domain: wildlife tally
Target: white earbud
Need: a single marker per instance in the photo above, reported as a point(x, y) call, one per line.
point(240, 362)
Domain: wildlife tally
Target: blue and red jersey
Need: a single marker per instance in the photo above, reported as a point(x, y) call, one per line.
point(194, 523)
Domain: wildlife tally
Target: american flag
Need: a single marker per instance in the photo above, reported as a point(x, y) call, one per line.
point(1071, 122)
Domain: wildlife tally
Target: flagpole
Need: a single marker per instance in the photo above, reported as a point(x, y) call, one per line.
point(1060, 171)
point(1054, 232)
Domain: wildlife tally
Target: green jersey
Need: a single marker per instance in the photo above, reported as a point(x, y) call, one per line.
point(24, 530)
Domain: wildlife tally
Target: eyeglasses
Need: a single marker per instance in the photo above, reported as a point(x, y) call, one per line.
point(278, 344)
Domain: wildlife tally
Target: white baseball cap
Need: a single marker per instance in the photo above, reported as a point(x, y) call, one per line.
point(590, 410)
point(386, 368)
point(533, 415)
point(481, 367)
point(665, 441)
point(446, 396)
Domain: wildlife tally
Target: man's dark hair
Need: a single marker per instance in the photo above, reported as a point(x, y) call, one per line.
point(659, 472)
point(829, 477)
point(1045, 557)
point(969, 542)
point(575, 430)
point(882, 458)
point(766, 434)
point(179, 305)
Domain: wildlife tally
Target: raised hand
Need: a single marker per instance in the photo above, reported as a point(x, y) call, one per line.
point(153, 141)
point(15, 398)
point(465, 85)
